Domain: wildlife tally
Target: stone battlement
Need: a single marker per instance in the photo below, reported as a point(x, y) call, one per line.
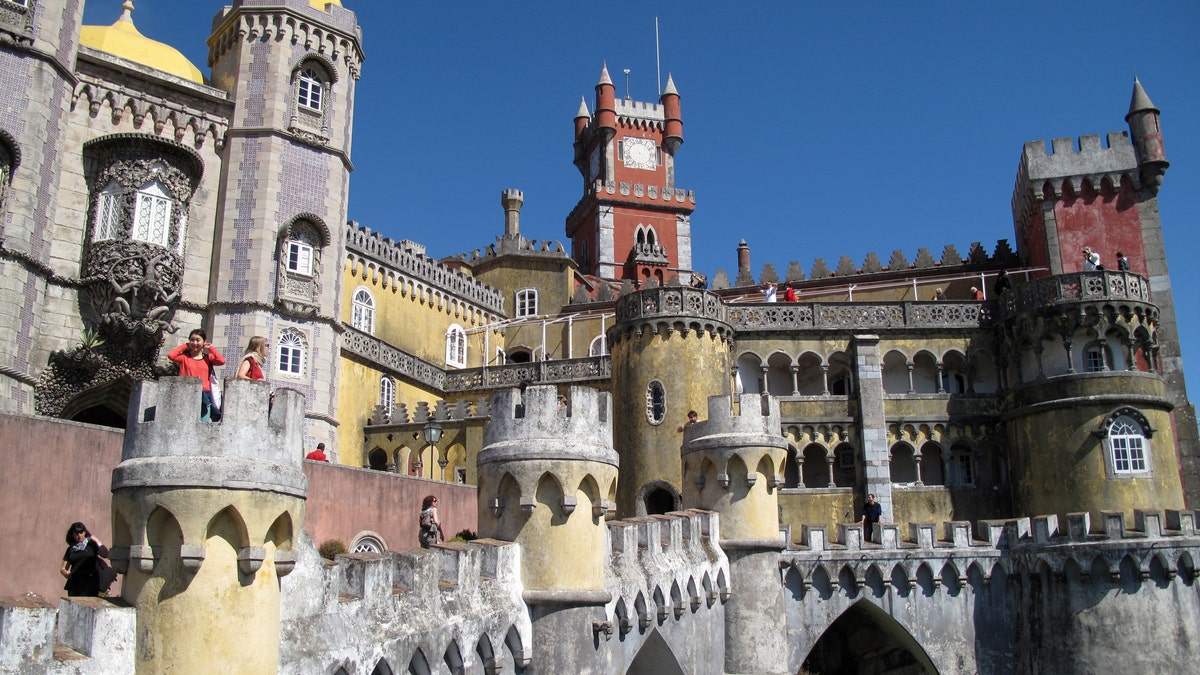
point(537, 414)
point(382, 253)
point(250, 448)
point(756, 421)
point(663, 567)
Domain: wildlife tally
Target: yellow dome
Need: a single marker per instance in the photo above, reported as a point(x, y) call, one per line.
point(123, 39)
point(320, 4)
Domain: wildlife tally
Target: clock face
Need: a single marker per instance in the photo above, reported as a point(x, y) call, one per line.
point(639, 153)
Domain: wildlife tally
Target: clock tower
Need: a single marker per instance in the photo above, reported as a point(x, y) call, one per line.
point(631, 222)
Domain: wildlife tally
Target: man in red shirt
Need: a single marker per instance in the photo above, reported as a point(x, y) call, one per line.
point(196, 358)
point(318, 455)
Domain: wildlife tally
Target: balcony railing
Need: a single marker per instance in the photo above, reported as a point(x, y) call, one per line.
point(1102, 285)
point(541, 372)
point(768, 316)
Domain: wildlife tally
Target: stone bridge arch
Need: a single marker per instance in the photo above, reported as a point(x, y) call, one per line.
point(866, 639)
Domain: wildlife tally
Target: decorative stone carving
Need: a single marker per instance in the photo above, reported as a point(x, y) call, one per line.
point(133, 287)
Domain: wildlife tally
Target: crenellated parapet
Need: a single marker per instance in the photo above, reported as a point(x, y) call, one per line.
point(664, 569)
point(666, 309)
point(203, 119)
point(403, 608)
point(408, 272)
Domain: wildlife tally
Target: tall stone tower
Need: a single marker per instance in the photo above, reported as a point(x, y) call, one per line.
point(632, 222)
point(291, 67)
point(656, 331)
point(37, 60)
point(1105, 196)
point(547, 472)
point(733, 464)
point(204, 516)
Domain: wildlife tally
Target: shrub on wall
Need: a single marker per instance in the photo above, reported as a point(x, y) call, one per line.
point(331, 548)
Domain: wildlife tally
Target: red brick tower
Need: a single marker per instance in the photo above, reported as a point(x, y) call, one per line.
point(631, 222)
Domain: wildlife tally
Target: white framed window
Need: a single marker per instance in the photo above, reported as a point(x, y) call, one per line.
point(362, 311)
point(1127, 445)
point(387, 394)
point(598, 346)
point(290, 353)
point(108, 221)
point(152, 215)
point(456, 347)
point(299, 256)
point(311, 89)
point(526, 302)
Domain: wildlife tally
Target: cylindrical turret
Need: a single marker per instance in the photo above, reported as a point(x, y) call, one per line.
point(1147, 137)
point(733, 464)
point(546, 474)
point(512, 200)
point(203, 521)
point(658, 329)
point(743, 260)
point(673, 131)
point(606, 105)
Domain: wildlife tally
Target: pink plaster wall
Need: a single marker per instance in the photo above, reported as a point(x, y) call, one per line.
point(53, 473)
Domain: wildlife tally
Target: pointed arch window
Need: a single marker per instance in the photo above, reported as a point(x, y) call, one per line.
point(456, 347)
point(362, 312)
point(312, 89)
point(152, 215)
point(290, 353)
point(108, 210)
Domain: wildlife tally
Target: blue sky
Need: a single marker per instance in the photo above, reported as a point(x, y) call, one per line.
point(811, 129)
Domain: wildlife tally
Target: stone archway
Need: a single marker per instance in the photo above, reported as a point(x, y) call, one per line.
point(865, 639)
point(654, 658)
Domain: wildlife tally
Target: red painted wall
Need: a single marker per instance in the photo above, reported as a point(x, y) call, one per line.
point(1108, 223)
point(53, 473)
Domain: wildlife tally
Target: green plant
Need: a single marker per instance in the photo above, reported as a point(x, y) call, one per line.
point(464, 536)
point(331, 548)
point(90, 338)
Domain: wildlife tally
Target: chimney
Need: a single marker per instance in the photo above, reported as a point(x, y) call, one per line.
point(512, 200)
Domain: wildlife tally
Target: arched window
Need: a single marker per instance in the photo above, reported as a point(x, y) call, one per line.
point(298, 250)
point(1127, 446)
point(108, 213)
point(362, 311)
point(152, 215)
point(291, 353)
point(368, 542)
point(387, 395)
point(656, 402)
point(311, 89)
point(526, 302)
point(598, 346)
point(1096, 358)
point(456, 347)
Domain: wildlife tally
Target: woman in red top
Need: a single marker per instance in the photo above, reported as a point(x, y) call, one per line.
point(252, 359)
point(196, 358)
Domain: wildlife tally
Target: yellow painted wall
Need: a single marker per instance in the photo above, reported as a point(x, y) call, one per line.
point(827, 507)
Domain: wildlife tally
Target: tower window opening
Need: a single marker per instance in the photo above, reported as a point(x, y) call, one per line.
point(311, 89)
point(1128, 446)
point(152, 215)
point(656, 402)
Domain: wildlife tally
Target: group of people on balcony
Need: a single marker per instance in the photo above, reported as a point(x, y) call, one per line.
point(1091, 261)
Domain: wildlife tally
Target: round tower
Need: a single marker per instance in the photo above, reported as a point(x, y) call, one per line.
point(1147, 137)
point(547, 472)
point(656, 330)
point(733, 464)
point(203, 521)
point(672, 117)
point(606, 105)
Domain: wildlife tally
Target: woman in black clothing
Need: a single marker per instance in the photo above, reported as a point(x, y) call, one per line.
point(81, 562)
